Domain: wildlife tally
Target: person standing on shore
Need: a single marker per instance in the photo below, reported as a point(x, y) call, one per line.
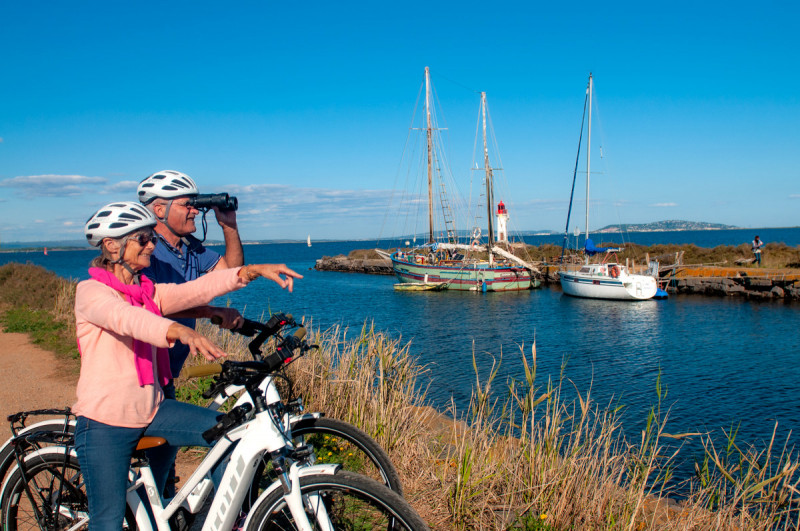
point(757, 245)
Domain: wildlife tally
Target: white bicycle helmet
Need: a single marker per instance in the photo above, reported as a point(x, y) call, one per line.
point(116, 220)
point(166, 184)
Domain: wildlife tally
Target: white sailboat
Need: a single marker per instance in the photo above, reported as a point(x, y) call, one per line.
point(308, 240)
point(606, 279)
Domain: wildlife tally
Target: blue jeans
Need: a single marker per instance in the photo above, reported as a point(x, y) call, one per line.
point(105, 451)
point(156, 453)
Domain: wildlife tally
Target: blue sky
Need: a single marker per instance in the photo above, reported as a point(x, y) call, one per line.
point(302, 109)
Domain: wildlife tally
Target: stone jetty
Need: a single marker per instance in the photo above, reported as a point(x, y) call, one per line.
point(750, 283)
point(344, 264)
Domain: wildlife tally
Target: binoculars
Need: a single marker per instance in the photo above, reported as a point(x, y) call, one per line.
point(209, 201)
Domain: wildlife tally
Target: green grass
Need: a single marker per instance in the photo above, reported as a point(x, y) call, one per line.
point(39, 303)
point(43, 330)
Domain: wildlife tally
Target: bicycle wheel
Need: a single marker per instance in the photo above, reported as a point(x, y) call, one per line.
point(7, 456)
point(56, 498)
point(345, 500)
point(335, 441)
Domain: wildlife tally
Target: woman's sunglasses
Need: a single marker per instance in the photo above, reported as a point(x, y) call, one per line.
point(143, 238)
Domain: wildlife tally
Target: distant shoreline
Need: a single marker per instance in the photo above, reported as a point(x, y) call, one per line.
point(56, 246)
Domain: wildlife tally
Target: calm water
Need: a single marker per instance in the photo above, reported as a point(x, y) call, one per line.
point(725, 362)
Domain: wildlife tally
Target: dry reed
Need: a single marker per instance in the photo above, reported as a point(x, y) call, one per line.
point(534, 460)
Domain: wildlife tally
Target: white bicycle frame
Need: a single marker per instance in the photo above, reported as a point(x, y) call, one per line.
point(255, 439)
point(267, 387)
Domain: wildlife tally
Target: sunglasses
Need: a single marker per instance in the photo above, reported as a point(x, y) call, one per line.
point(143, 238)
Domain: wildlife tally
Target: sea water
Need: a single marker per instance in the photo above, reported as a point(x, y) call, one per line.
point(727, 364)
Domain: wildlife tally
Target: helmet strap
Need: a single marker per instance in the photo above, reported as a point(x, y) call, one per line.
point(128, 268)
point(134, 274)
point(184, 239)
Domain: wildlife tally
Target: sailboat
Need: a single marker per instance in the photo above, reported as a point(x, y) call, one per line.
point(451, 265)
point(606, 279)
point(308, 240)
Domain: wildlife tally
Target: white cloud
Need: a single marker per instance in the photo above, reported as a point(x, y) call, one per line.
point(664, 205)
point(123, 187)
point(795, 196)
point(300, 203)
point(52, 185)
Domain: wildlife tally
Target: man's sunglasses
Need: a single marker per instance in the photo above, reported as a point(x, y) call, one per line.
point(143, 238)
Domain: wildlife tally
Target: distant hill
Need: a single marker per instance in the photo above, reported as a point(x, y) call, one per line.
point(672, 224)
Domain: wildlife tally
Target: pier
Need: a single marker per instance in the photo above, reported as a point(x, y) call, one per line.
point(720, 281)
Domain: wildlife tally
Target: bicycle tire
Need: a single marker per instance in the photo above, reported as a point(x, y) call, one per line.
point(50, 477)
point(351, 501)
point(377, 464)
point(7, 454)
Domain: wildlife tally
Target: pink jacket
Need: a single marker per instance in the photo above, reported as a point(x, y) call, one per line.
point(108, 387)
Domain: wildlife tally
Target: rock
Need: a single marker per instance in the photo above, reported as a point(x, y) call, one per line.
point(777, 292)
point(343, 264)
point(758, 284)
point(717, 286)
point(736, 289)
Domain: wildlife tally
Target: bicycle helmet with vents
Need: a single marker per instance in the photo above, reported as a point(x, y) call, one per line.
point(116, 220)
point(166, 184)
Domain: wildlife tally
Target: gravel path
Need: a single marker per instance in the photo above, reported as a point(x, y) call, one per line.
point(32, 378)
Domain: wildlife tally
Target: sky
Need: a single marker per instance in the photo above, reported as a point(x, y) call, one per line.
point(302, 109)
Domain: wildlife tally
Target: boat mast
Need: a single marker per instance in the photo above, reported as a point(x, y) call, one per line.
point(429, 130)
point(489, 188)
point(588, 152)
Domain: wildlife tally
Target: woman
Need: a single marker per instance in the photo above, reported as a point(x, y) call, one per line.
point(123, 340)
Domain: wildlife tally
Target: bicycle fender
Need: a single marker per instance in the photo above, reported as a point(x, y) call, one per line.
point(32, 428)
point(327, 469)
point(305, 416)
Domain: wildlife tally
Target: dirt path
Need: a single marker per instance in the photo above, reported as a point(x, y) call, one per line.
point(32, 378)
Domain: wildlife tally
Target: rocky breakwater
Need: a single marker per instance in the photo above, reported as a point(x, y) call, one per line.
point(751, 288)
point(346, 264)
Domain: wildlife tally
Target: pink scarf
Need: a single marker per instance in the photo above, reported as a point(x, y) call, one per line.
point(139, 295)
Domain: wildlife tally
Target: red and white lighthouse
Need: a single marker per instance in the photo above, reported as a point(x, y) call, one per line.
point(502, 223)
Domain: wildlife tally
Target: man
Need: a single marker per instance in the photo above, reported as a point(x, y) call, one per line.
point(179, 256)
point(757, 245)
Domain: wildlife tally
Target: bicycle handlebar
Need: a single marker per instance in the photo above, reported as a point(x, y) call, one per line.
point(250, 328)
point(284, 353)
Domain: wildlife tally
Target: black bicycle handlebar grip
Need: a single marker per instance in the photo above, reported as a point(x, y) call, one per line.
point(201, 370)
point(291, 343)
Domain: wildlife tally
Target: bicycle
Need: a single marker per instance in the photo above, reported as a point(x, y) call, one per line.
point(307, 428)
point(304, 497)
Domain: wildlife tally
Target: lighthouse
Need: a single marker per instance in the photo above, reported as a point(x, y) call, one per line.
point(502, 223)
